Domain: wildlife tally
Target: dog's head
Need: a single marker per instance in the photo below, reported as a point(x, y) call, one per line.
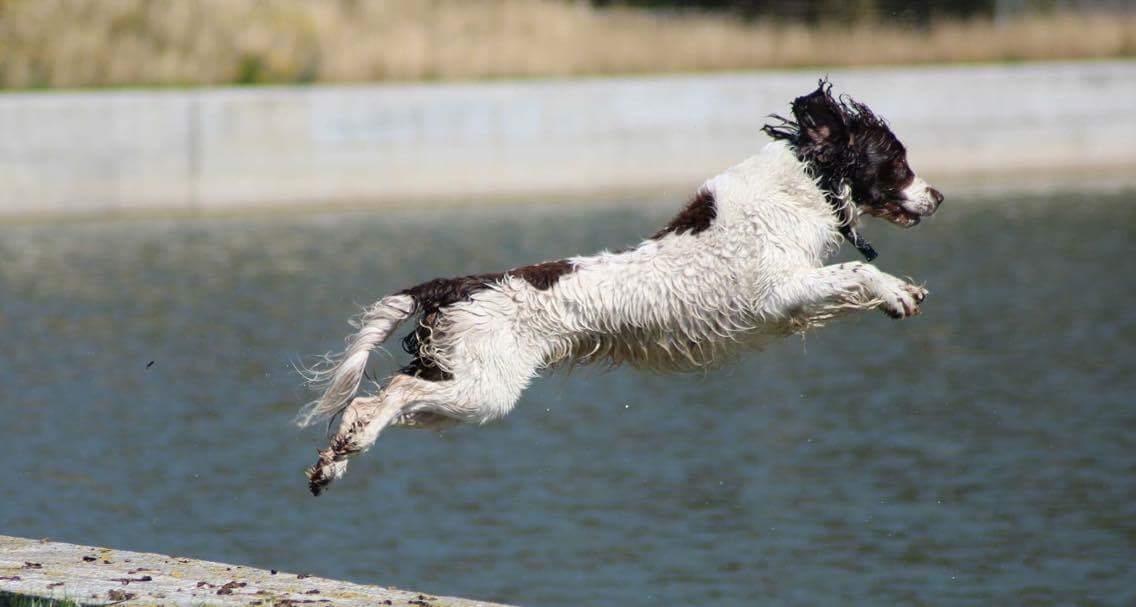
point(856, 158)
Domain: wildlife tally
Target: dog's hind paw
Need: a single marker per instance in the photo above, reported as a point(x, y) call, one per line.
point(324, 471)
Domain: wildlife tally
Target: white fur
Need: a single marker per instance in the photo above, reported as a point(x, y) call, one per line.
point(682, 301)
point(340, 377)
point(917, 198)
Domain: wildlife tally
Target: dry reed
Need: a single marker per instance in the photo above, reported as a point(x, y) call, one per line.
point(84, 43)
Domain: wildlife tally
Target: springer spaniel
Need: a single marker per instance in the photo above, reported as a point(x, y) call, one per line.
point(741, 265)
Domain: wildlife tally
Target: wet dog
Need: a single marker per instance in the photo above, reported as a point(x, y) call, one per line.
point(740, 265)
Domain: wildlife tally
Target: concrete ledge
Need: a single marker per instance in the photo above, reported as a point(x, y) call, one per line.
point(88, 575)
point(187, 151)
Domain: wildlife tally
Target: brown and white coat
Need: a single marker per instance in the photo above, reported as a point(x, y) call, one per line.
point(741, 265)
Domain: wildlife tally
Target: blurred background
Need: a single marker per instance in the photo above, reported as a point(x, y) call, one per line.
point(85, 43)
point(195, 195)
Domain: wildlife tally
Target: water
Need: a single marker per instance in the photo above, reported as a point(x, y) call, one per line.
point(983, 453)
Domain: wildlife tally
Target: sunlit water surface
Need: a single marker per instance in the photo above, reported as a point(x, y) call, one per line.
point(983, 453)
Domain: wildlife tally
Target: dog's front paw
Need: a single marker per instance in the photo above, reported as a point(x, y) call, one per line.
point(902, 299)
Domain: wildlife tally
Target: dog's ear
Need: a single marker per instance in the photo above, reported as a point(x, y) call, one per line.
point(821, 119)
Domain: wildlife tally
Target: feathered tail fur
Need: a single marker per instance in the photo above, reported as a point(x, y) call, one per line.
point(340, 376)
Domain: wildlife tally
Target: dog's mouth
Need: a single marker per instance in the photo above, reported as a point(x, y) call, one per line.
point(895, 213)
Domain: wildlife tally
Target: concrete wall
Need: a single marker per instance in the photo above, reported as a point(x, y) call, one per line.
point(186, 150)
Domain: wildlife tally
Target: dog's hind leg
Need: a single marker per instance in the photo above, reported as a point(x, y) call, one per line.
point(489, 370)
point(342, 444)
point(405, 400)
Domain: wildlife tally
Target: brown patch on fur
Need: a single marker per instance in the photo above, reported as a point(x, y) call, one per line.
point(432, 296)
point(543, 275)
point(696, 217)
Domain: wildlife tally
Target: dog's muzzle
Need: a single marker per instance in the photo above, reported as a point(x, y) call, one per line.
point(920, 200)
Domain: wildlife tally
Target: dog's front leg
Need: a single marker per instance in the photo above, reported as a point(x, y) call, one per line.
point(824, 292)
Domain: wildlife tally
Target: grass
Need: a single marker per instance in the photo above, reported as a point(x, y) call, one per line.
point(99, 43)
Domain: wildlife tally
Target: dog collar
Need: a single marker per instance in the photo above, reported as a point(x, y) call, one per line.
point(862, 245)
point(846, 212)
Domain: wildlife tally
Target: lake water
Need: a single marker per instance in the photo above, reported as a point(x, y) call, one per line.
point(983, 453)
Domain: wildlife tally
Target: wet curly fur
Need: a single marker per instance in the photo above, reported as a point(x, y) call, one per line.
point(741, 265)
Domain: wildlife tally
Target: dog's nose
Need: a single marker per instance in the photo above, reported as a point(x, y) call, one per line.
point(936, 195)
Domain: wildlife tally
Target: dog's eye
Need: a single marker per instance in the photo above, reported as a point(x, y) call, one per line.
point(900, 173)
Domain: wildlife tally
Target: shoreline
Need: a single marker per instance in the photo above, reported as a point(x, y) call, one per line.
point(958, 188)
point(220, 151)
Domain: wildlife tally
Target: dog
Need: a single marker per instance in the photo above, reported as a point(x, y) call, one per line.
point(742, 264)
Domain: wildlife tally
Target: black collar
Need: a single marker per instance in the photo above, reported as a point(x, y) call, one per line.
point(858, 241)
point(846, 217)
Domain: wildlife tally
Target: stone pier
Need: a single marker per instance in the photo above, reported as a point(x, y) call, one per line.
point(56, 573)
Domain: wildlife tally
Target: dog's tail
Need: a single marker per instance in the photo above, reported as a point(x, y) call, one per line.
point(340, 375)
